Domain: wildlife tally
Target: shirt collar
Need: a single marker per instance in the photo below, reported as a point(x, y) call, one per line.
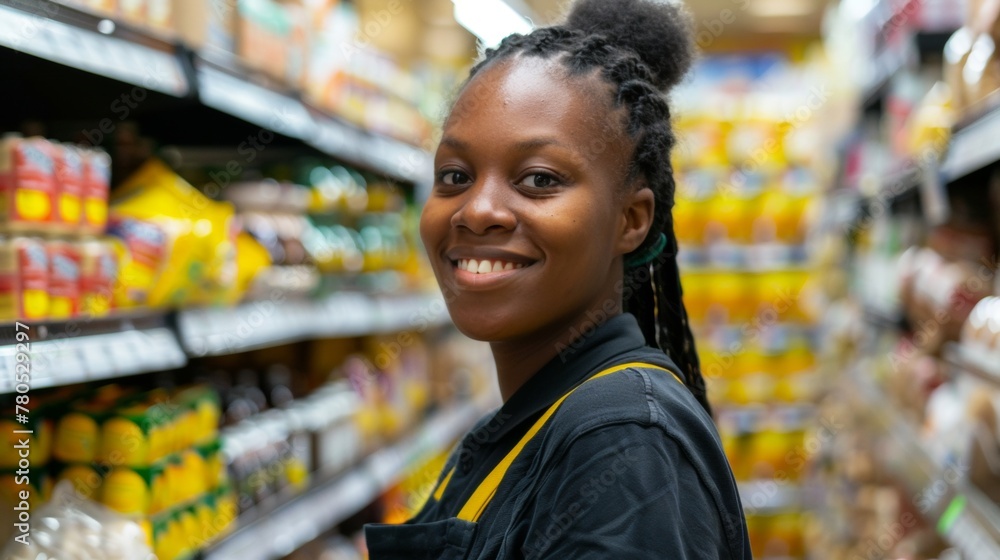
point(571, 366)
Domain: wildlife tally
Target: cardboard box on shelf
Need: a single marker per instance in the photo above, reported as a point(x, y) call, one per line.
point(209, 27)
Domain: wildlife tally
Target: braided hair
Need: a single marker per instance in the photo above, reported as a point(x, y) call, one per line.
point(641, 48)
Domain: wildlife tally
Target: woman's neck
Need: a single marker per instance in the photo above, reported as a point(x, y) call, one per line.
point(518, 361)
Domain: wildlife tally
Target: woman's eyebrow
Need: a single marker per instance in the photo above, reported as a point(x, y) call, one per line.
point(454, 143)
point(535, 143)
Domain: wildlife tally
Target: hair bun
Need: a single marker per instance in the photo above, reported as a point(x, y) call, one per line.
point(659, 31)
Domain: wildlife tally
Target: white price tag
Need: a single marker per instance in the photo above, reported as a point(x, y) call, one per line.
point(7, 379)
point(96, 361)
point(123, 356)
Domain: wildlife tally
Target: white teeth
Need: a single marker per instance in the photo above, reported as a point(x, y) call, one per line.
point(485, 266)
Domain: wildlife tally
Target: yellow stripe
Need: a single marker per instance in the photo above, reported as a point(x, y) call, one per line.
point(482, 496)
point(440, 489)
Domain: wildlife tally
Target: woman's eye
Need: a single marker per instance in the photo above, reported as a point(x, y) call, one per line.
point(539, 181)
point(455, 178)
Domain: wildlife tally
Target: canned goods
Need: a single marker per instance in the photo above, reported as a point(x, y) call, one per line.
point(24, 279)
point(64, 279)
point(99, 268)
point(70, 176)
point(27, 183)
point(97, 183)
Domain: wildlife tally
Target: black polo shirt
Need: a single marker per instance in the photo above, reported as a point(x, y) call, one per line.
point(630, 466)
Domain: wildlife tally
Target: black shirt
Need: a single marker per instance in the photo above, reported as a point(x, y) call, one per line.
point(630, 466)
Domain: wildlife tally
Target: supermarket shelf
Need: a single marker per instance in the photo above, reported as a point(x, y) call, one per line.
point(973, 146)
point(323, 506)
point(43, 29)
point(769, 496)
point(88, 42)
point(88, 350)
point(961, 513)
point(261, 324)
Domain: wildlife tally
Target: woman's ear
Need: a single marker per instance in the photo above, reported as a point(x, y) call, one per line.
point(638, 209)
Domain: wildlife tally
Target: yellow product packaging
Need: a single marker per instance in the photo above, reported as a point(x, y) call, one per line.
point(224, 510)
point(205, 413)
point(215, 466)
point(199, 263)
point(251, 258)
point(137, 434)
point(77, 433)
point(188, 478)
point(730, 295)
point(135, 491)
point(167, 542)
point(86, 479)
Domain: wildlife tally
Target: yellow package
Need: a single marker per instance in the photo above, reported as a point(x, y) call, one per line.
point(77, 433)
point(135, 491)
point(85, 479)
point(201, 414)
point(198, 264)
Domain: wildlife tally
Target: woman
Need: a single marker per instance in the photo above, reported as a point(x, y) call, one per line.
point(550, 233)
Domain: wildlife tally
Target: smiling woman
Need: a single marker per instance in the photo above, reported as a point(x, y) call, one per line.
point(549, 229)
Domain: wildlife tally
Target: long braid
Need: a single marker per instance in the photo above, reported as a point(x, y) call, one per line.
point(653, 291)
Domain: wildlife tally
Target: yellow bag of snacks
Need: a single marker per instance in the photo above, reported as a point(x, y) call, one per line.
point(195, 260)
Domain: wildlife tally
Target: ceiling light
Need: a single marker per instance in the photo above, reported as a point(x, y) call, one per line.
point(490, 20)
point(782, 8)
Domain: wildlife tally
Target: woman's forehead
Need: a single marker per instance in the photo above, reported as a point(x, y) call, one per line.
point(539, 93)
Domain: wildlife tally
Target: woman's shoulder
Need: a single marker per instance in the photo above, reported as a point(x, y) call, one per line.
point(642, 394)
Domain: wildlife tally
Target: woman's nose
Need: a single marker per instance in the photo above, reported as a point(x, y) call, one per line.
point(485, 206)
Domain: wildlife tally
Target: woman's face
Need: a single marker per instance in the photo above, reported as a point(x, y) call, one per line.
point(527, 220)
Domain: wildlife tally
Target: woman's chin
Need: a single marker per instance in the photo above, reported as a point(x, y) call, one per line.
point(478, 327)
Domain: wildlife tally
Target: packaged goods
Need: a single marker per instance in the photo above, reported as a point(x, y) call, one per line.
point(141, 249)
point(99, 275)
point(77, 435)
point(209, 27)
point(160, 15)
point(132, 11)
point(186, 241)
point(24, 279)
point(27, 183)
point(64, 278)
point(270, 38)
point(70, 527)
point(71, 174)
point(96, 185)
